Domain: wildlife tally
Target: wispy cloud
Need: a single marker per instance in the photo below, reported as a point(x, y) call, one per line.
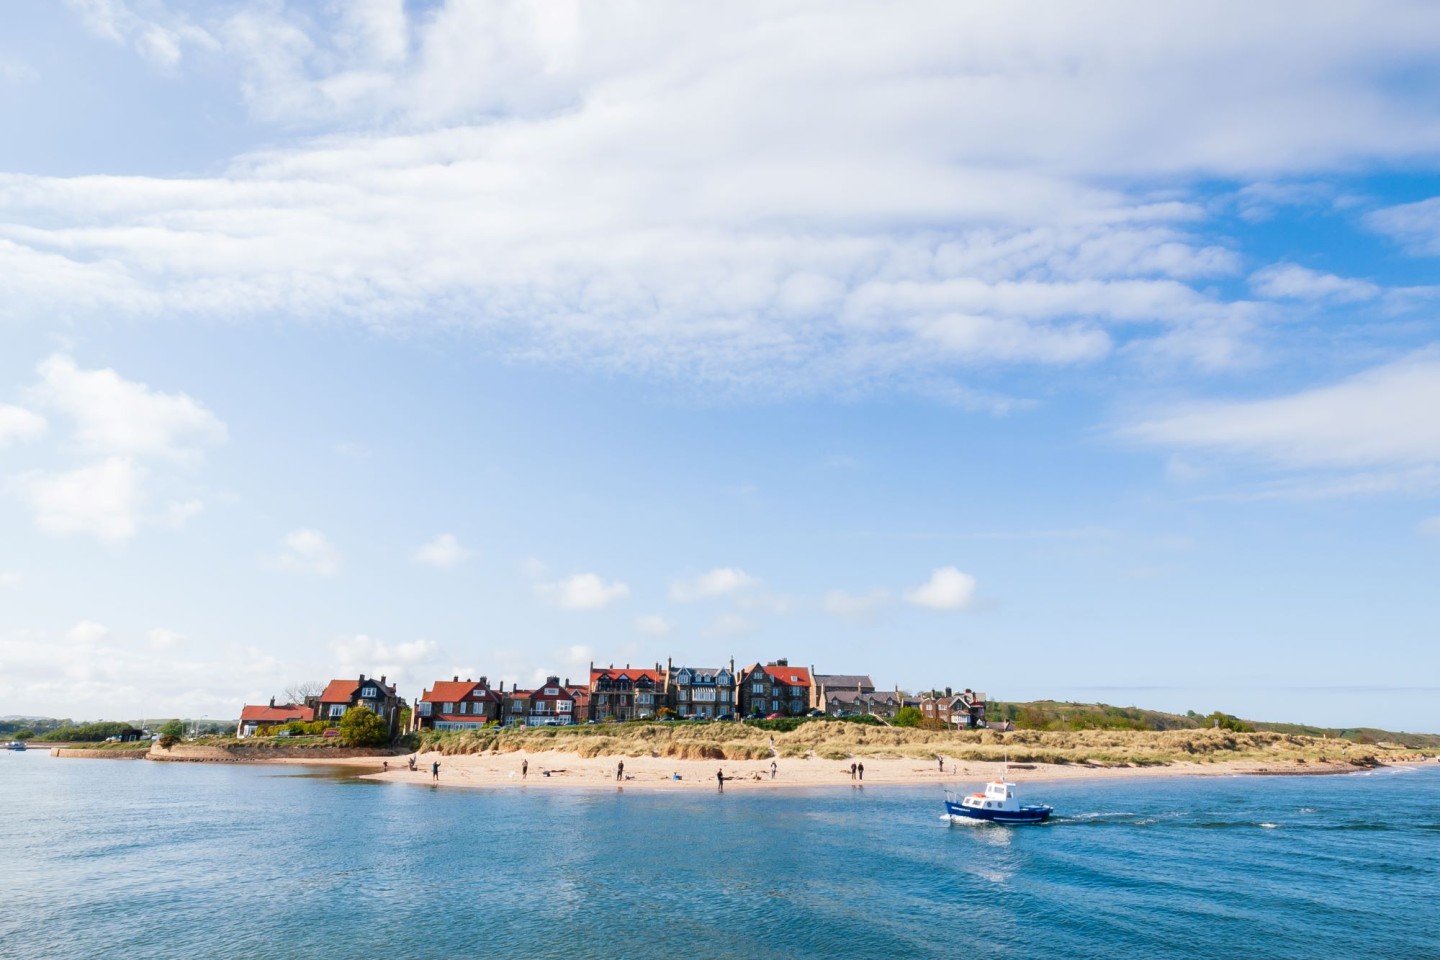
point(583, 591)
point(309, 551)
point(442, 553)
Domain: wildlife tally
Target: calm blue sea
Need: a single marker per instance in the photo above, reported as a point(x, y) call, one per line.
point(109, 858)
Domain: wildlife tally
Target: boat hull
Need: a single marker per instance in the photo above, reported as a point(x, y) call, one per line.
point(1031, 814)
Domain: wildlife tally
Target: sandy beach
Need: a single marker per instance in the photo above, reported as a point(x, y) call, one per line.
point(554, 769)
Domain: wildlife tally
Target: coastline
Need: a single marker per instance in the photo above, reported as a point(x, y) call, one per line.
point(549, 769)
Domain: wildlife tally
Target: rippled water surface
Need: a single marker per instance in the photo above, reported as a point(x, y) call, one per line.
point(111, 858)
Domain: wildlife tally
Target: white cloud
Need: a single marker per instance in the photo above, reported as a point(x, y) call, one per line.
point(308, 551)
point(113, 415)
point(583, 591)
point(555, 181)
point(19, 424)
point(855, 606)
point(1430, 526)
point(1416, 225)
point(653, 625)
point(1382, 416)
point(947, 589)
point(164, 639)
point(361, 653)
point(442, 553)
point(1291, 281)
point(87, 632)
point(102, 499)
point(181, 512)
point(720, 582)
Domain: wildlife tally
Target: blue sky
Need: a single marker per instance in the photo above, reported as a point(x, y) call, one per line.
point(1078, 354)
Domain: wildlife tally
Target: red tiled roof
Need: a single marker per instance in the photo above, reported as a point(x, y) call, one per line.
point(794, 676)
point(450, 691)
point(268, 714)
point(342, 691)
point(339, 691)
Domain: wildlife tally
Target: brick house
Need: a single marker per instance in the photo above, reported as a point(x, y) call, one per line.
point(876, 703)
point(703, 692)
point(457, 704)
point(252, 718)
point(552, 704)
point(341, 695)
point(827, 684)
point(775, 687)
point(626, 693)
point(958, 710)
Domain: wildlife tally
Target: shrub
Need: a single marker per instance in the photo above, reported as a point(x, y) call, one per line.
point(907, 717)
point(362, 727)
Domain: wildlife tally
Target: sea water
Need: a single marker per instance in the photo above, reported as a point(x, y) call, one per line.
point(115, 858)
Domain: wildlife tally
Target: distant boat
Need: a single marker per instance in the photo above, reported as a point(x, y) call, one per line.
point(15, 745)
point(997, 804)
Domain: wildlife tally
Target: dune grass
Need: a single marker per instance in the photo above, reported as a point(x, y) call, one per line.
point(839, 741)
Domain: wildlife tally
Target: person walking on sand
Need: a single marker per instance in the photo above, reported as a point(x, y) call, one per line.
point(620, 770)
point(852, 770)
point(861, 769)
point(524, 769)
point(435, 771)
point(772, 769)
point(385, 766)
point(412, 764)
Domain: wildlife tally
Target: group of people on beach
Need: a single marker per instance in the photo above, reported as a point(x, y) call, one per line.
point(857, 771)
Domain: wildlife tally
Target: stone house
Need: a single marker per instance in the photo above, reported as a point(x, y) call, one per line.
point(702, 692)
point(340, 695)
point(962, 710)
point(775, 687)
point(457, 704)
point(626, 693)
point(252, 718)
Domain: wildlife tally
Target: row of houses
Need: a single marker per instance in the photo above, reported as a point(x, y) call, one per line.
point(612, 693)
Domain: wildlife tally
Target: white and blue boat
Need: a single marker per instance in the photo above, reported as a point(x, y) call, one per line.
point(15, 745)
point(996, 804)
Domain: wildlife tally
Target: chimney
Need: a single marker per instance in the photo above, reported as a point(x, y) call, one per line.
point(502, 686)
point(362, 678)
point(272, 701)
point(567, 681)
point(947, 691)
point(455, 678)
point(382, 679)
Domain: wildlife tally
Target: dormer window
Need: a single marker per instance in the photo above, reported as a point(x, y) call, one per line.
point(368, 692)
point(551, 691)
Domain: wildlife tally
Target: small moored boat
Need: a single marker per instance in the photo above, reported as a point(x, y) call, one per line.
point(997, 804)
point(15, 745)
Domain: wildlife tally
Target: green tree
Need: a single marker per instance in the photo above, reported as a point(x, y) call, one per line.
point(362, 727)
point(172, 728)
point(907, 717)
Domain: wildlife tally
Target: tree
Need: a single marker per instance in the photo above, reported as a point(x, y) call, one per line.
point(363, 727)
point(907, 717)
point(172, 728)
point(297, 693)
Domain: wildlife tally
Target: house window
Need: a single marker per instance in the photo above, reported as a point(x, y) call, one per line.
point(424, 708)
point(757, 687)
point(725, 696)
point(551, 691)
point(337, 709)
point(563, 706)
point(645, 698)
point(449, 708)
point(368, 692)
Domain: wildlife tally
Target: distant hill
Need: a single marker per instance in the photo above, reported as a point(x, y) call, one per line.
point(1065, 715)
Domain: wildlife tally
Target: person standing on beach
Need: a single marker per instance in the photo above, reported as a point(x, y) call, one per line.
point(772, 769)
point(942, 764)
point(720, 779)
point(852, 770)
point(861, 768)
point(435, 771)
point(524, 769)
point(620, 770)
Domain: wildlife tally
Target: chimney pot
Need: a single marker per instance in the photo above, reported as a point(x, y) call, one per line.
point(455, 678)
point(362, 678)
point(272, 701)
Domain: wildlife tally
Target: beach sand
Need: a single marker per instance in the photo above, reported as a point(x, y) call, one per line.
point(553, 769)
